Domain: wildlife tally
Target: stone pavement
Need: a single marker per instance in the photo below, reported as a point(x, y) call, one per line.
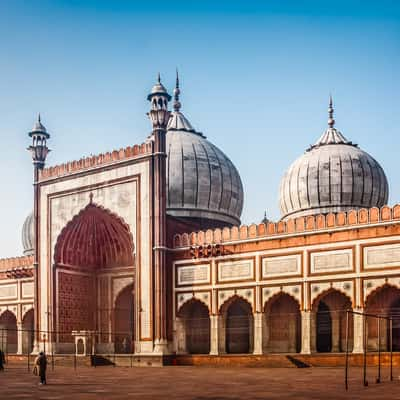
point(194, 383)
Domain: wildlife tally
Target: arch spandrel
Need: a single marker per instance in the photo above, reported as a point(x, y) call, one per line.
point(226, 302)
point(373, 287)
point(12, 310)
point(26, 310)
point(343, 288)
point(185, 298)
point(271, 292)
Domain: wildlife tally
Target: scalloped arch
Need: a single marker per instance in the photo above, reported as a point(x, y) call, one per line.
point(192, 300)
point(271, 300)
point(326, 292)
point(227, 303)
point(378, 290)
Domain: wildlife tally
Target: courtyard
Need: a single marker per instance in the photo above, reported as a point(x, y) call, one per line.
point(196, 383)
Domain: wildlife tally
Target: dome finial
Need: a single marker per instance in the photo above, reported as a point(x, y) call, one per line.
point(331, 121)
point(158, 78)
point(39, 118)
point(177, 104)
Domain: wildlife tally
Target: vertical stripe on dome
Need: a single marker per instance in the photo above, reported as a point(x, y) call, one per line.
point(210, 175)
point(216, 179)
point(197, 175)
point(204, 179)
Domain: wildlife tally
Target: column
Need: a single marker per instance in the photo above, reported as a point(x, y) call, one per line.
point(214, 337)
point(221, 334)
point(307, 332)
point(358, 331)
point(180, 336)
point(19, 338)
point(335, 332)
point(258, 323)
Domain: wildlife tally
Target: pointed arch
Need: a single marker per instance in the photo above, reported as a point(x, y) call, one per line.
point(124, 320)
point(282, 324)
point(226, 304)
point(188, 303)
point(378, 290)
point(384, 301)
point(8, 331)
point(330, 308)
point(194, 320)
point(326, 292)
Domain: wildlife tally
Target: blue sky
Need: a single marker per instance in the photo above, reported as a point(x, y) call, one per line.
point(255, 79)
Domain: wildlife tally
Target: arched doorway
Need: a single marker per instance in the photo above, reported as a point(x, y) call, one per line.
point(27, 332)
point(8, 332)
point(124, 321)
point(383, 301)
point(238, 327)
point(282, 325)
point(94, 250)
point(324, 328)
point(194, 316)
point(330, 324)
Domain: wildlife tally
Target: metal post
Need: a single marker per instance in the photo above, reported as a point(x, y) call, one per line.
point(391, 348)
point(365, 351)
point(347, 351)
point(378, 379)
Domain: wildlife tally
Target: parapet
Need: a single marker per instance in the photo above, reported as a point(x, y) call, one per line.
point(310, 223)
point(16, 262)
point(95, 161)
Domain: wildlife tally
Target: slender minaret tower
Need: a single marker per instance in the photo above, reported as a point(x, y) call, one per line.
point(39, 151)
point(159, 116)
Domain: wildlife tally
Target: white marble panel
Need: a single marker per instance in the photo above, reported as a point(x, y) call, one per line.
point(193, 274)
point(27, 289)
point(235, 270)
point(8, 291)
point(332, 261)
point(382, 256)
point(281, 265)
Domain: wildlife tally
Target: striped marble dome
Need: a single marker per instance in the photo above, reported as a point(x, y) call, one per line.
point(202, 182)
point(332, 175)
point(28, 234)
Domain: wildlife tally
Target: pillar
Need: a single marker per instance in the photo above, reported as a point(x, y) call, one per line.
point(258, 332)
point(307, 332)
point(335, 332)
point(358, 331)
point(19, 338)
point(221, 334)
point(214, 336)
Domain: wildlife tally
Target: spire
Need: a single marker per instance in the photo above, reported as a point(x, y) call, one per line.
point(159, 78)
point(331, 134)
point(331, 121)
point(39, 119)
point(177, 104)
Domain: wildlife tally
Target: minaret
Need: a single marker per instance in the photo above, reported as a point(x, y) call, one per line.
point(159, 116)
point(39, 151)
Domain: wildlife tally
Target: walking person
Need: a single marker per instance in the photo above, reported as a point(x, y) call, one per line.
point(2, 360)
point(41, 366)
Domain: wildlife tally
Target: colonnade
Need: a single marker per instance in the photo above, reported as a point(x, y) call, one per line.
point(283, 327)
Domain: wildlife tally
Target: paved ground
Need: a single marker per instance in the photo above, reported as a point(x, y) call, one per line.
point(195, 383)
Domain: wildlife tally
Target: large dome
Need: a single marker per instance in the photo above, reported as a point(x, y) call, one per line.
point(202, 182)
point(28, 235)
point(332, 175)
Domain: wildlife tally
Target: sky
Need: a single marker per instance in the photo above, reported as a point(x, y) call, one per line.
point(255, 79)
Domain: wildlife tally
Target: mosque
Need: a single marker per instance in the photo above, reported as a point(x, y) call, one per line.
point(140, 251)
